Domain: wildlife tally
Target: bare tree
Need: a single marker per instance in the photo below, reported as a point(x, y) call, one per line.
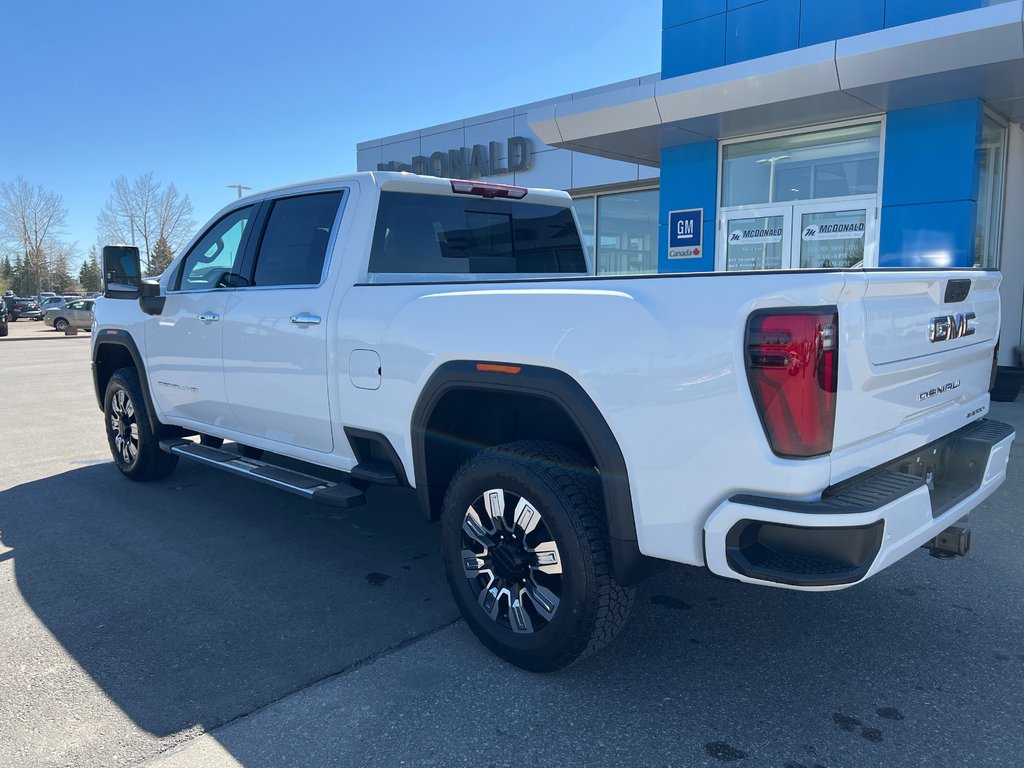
point(174, 221)
point(140, 212)
point(31, 221)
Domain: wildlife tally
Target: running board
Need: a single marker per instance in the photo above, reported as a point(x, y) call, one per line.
point(315, 488)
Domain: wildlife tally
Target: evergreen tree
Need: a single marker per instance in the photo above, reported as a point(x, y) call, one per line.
point(60, 278)
point(6, 274)
point(161, 257)
point(21, 277)
point(89, 276)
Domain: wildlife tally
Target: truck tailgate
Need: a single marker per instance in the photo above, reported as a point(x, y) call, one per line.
point(915, 360)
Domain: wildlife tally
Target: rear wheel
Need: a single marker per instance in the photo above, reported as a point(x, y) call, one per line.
point(133, 443)
point(4, 330)
point(525, 550)
point(60, 324)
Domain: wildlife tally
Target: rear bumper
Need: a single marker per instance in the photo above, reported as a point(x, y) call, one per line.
point(861, 526)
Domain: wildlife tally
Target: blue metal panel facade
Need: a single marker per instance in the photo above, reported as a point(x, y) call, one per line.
point(930, 175)
point(824, 20)
point(690, 28)
point(908, 11)
point(694, 46)
point(691, 181)
point(930, 185)
point(761, 29)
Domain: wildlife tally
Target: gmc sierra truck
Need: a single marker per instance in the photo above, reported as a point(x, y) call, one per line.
point(797, 429)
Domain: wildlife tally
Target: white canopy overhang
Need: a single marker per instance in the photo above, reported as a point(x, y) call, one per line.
point(975, 54)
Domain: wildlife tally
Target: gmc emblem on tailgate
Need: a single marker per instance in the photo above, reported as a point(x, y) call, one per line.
point(949, 327)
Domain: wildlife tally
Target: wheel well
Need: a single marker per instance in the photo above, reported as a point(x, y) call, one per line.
point(466, 420)
point(110, 358)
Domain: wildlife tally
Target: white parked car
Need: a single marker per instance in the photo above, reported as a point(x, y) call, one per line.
point(800, 429)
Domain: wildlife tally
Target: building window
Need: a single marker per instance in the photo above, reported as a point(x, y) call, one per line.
point(800, 201)
point(621, 231)
point(839, 162)
point(991, 175)
point(586, 210)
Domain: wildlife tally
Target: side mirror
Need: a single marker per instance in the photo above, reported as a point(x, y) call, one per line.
point(121, 272)
point(150, 300)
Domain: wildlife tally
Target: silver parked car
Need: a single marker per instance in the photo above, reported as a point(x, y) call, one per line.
point(50, 302)
point(77, 314)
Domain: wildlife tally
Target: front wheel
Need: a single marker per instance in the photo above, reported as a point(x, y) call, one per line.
point(60, 324)
point(525, 549)
point(133, 443)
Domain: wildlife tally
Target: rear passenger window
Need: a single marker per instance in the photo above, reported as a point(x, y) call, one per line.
point(435, 234)
point(294, 242)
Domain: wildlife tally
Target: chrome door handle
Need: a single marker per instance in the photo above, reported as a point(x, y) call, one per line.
point(208, 317)
point(305, 319)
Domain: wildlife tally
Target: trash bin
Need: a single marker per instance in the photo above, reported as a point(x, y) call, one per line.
point(1009, 379)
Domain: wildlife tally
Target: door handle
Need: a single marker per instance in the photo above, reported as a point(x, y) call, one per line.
point(208, 317)
point(305, 319)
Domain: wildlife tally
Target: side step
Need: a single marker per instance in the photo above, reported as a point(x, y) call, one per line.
point(315, 488)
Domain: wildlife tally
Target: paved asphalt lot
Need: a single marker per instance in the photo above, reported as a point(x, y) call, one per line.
point(207, 621)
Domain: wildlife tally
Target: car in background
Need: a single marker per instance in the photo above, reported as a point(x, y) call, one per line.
point(74, 314)
point(4, 329)
point(18, 308)
point(50, 302)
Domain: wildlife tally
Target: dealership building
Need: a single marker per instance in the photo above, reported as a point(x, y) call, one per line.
point(780, 134)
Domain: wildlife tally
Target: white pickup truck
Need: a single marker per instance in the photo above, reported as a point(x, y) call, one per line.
point(791, 429)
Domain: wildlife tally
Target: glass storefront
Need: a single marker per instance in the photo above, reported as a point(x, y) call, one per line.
point(991, 173)
point(840, 162)
point(621, 230)
point(800, 201)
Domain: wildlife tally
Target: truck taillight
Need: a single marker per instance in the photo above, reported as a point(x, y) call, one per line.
point(792, 368)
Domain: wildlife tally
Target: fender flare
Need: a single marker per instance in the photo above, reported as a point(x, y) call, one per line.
point(565, 392)
point(114, 337)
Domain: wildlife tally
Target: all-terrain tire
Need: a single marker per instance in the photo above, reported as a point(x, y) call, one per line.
point(133, 443)
point(565, 555)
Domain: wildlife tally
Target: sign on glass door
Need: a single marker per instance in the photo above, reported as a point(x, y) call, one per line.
point(832, 239)
point(755, 243)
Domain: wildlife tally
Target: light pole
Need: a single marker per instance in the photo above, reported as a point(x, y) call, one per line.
point(240, 187)
point(771, 196)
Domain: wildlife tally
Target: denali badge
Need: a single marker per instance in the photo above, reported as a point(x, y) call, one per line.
point(939, 389)
point(949, 327)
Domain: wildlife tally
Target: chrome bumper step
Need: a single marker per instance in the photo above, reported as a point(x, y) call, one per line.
point(335, 494)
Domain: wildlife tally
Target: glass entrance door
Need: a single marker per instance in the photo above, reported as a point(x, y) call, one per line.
point(756, 238)
point(834, 235)
point(837, 234)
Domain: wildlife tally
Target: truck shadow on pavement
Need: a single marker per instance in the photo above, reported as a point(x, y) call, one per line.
point(199, 599)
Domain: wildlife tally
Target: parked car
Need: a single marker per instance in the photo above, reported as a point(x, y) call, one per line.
point(18, 308)
point(50, 302)
point(4, 317)
point(74, 314)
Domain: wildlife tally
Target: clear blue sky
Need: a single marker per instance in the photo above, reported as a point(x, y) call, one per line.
point(206, 94)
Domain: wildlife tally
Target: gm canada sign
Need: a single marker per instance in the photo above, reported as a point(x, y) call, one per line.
point(686, 234)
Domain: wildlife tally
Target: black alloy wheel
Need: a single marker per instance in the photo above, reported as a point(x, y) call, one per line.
point(133, 442)
point(525, 548)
